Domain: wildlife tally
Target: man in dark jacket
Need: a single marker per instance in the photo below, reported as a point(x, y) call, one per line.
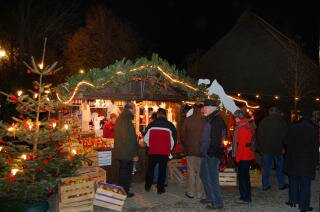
point(190, 139)
point(211, 150)
point(270, 141)
point(125, 146)
point(301, 161)
point(160, 137)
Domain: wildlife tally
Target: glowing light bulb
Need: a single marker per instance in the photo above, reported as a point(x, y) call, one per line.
point(225, 142)
point(317, 99)
point(14, 171)
point(239, 94)
point(24, 157)
point(1, 148)
point(30, 127)
point(73, 151)
point(35, 95)
point(276, 97)
point(66, 126)
point(48, 99)
point(81, 71)
point(54, 125)
point(40, 65)
point(10, 129)
point(257, 96)
point(19, 92)
point(47, 91)
point(296, 98)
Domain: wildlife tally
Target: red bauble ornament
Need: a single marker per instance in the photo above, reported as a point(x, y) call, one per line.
point(1, 140)
point(57, 174)
point(36, 87)
point(40, 169)
point(11, 178)
point(10, 160)
point(59, 143)
point(51, 137)
point(14, 99)
point(28, 157)
point(60, 110)
point(24, 166)
point(43, 110)
point(60, 151)
point(50, 191)
point(49, 157)
point(28, 71)
point(35, 156)
point(50, 127)
point(44, 161)
point(21, 116)
point(8, 191)
point(50, 73)
point(25, 108)
point(65, 111)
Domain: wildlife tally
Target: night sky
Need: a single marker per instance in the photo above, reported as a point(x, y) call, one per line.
point(175, 29)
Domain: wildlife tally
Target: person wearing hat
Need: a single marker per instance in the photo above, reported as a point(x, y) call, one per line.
point(244, 155)
point(211, 150)
point(301, 161)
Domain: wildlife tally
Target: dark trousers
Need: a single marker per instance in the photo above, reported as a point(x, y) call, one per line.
point(162, 160)
point(244, 180)
point(300, 191)
point(125, 174)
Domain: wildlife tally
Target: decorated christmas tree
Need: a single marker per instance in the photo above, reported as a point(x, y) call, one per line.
point(32, 158)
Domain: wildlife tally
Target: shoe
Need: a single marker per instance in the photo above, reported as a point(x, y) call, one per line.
point(205, 201)
point(291, 204)
point(284, 187)
point(308, 209)
point(161, 191)
point(130, 195)
point(187, 195)
point(266, 188)
point(147, 188)
point(240, 201)
point(213, 207)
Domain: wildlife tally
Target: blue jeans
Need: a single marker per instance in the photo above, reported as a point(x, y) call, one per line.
point(156, 173)
point(244, 180)
point(266, 166)
point(300, 191)
point(209, 174)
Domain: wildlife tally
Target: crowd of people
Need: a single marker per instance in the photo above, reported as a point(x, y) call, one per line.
point(291, 147)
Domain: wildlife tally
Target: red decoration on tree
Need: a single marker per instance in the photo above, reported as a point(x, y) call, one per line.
point(44, 161)
point(10, 160)
point(28, 157)
point(40, 169)
point(36, 87)
point(1, 140)
point(21, 116)
point(11, 178)
point(24, 166)
point(50, 73)
point(65, 111)
point(59, 143)
point(35, 156)
point(50, 191)
point(60, 151)
point(57, 174)
point(50, 127)
point(28, 71)
point(51, 137)
point(43, 110)
point(49, 157)
point(8, 191)
point(14, 99)
point(25, 108)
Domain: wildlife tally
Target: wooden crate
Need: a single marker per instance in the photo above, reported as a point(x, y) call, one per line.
point(93, 157)
point(81, 206)
point(76, 189)
point(255, 178)
point(228, 177)
point(172, 164)
point(180, 174)
point(108, 198)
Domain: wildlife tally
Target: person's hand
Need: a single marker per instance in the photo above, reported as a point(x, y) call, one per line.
point(135, 158)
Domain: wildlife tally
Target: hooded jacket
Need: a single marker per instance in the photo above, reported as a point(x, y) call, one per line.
point(243, 137)
point(125, 140)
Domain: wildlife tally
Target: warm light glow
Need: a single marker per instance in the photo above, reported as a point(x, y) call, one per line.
point(120, 72)
point(30, 127)
point(40, 65)
point(248, 110)
point(19, 92)
point(239, 94)
point(2, 53)
point(73, 151)
point(276, 97)
point(35, 95)
point(54, 125)
point(66, 126)
point(225, 143)
point(1, 147)
point(81, 71)
point(10, 129)
point(257, 96)
point(74, 92)
point(244, 101)
point(14, 171)
point(162, 105)
point(296, 98)
point(317, 99)
point(48, 99)
point(24, 157)
point(47, 91)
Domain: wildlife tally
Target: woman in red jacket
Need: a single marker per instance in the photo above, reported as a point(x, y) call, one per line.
point(244, 155)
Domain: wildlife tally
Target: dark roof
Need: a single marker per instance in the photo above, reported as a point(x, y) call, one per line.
point(253, 57)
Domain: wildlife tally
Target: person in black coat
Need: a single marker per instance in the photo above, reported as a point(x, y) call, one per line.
point(301, 161)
